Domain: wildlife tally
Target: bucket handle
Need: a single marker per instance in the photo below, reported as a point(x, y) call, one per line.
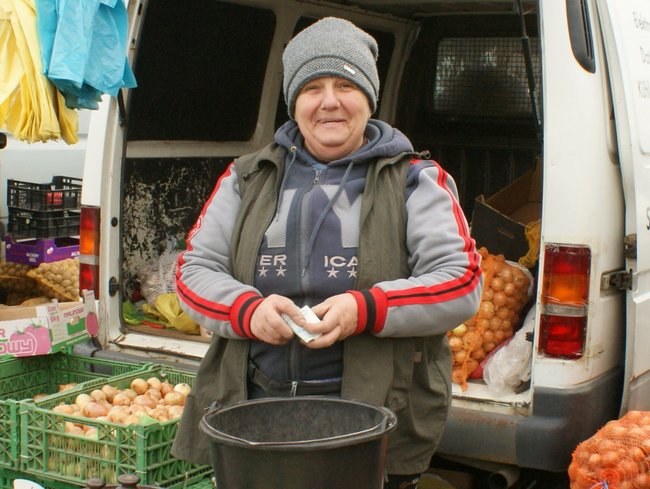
point(213, 408)
point(304, 442)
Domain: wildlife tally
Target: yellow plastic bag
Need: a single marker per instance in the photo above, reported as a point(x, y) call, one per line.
point(31, 108)
point(170, 308)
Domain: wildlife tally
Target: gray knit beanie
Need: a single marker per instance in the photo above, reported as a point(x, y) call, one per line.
point(331, 47)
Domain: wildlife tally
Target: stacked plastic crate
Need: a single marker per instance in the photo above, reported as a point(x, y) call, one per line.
point(43, 220)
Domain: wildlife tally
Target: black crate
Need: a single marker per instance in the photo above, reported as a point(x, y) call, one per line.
point(48, 224)
point(63, 193)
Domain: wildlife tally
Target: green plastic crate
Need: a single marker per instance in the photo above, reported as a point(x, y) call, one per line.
point(23, 378)
point(7, 477)
point(145, 450)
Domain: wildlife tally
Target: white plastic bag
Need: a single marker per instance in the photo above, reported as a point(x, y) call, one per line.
point(511, 364)
point(157, 277)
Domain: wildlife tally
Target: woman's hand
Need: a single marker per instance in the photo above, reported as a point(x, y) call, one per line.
point(339, 316)
point(267, 324)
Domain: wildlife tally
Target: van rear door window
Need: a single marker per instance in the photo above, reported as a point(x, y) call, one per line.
point(480, 77)
point(200, 69)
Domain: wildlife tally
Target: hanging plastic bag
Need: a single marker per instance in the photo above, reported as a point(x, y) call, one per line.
point(511, 364)
point(84, 48)
point(157, 277)
point(31, 108)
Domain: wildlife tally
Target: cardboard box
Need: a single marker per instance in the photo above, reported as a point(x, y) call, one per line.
point(48, 328)
point(499, 222)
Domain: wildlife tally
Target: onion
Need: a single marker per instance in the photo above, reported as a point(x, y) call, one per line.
point(98, 395)
point(497, 284)
point(175, 411)
point(110, 392)
point(483, 324)
point(145, 400)
point(174, 399)
point(65, 387)
point(94, 409)
point(459, 330)
point(154, 383)
point(137, 408)
point(118, 414)
point(154, 393)
point(458, 375)
point(455, 344)
point(160, 413)
point(610, 458)
point(82, 399)
point(140, 386)
point(495, 324)
point(478, 354)
point(594, 461)
point(183, 388)
point(488, 294)
point(132, 419)
point(486, 310)
point(459, 357)
point(642, 480)
point(130, 393)
point(165, 388)
point(509, 289)
point(121, 399)
point(506, 274)
point(63, 409)
point(500, 299)
point(488, 346)
point(628, 469)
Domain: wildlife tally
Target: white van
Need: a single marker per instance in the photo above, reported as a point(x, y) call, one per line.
point(489, 89)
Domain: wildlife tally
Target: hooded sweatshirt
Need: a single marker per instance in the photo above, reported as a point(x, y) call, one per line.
point(309, 252)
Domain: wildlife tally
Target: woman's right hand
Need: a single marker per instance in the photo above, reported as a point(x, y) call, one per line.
point(267, 324)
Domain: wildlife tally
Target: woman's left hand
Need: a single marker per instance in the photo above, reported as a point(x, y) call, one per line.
point(339, 316)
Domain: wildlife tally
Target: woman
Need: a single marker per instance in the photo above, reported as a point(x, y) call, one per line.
point(339, 214)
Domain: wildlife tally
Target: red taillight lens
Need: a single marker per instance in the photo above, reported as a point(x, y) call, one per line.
point(565, 295)
point(89, 250)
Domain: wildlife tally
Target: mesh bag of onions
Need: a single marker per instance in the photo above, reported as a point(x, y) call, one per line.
point(506, 290)
point(616, 457)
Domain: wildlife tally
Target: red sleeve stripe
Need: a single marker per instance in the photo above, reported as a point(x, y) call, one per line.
point(213, 310)
point(241, 312)
point(454, 288)
point(362, 312)
point(381, 309)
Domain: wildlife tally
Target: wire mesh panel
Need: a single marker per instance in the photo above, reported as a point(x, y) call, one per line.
point(484, 76)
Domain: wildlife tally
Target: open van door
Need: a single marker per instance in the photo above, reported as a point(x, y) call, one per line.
point(626, 35)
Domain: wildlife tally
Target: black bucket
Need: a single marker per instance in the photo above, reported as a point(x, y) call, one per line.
point(299, 443)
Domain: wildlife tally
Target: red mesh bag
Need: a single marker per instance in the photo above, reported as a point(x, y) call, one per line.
point(616, 457)
point(506, 288)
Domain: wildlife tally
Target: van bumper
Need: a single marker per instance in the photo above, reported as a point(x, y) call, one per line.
point(545, 440)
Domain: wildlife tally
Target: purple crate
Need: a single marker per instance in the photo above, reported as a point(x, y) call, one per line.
point(37, 251)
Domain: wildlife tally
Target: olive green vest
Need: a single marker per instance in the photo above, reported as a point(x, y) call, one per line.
point(400, 373)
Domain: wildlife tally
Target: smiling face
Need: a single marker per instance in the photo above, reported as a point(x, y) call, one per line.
point(332, 114)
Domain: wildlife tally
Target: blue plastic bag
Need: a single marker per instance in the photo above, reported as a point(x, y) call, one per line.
point(83, 45)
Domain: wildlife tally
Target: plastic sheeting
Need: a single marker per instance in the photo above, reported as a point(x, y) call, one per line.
point(84, 48)
point(30, 107)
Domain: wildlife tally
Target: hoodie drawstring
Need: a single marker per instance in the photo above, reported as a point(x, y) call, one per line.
point(321, 217)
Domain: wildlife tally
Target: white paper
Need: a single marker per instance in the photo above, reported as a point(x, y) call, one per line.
point(302, 333)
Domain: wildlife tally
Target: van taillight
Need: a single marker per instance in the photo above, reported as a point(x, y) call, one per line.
point(565, 296)
point(89, 250)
